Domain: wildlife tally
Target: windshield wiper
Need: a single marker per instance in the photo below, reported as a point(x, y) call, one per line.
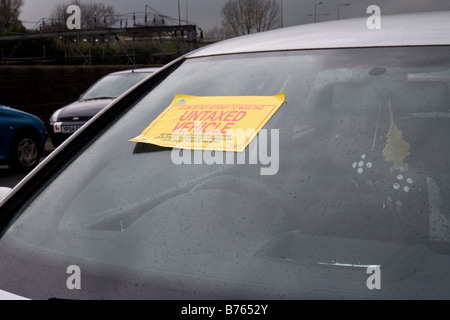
point(99, 98)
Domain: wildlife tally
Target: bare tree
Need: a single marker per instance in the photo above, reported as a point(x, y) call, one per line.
point(93, 15)
point(215, 34)
point(9, 13)
point(249, 16)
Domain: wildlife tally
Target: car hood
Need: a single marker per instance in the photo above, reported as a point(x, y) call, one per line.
point(4, 295)
point(18, 113)
point(83, 109)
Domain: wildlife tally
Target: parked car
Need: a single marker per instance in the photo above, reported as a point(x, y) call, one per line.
point(70, 118)
point(341, 190)
point(22, 139)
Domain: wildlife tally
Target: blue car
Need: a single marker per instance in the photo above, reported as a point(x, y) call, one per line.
point(22, 139)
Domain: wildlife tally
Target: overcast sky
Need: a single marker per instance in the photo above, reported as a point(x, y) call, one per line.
point(206, 13)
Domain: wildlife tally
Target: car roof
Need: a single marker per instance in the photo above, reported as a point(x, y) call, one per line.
point(426, 28)
point(137, 70)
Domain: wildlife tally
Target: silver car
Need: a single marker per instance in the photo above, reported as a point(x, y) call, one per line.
point(68, 119)
point(310, 162)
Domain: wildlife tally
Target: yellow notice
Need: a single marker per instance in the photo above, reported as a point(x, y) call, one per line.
point(223, 123)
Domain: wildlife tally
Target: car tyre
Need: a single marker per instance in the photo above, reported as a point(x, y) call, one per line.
point(24, 153)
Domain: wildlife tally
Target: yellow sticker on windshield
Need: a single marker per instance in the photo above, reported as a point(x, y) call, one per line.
point(223, 123)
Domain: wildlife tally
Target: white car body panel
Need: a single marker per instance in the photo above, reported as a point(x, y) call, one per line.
point(4, 295)
point(4, 192)
point(430, 28)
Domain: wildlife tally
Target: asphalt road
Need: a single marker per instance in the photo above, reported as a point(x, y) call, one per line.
point(9, 178)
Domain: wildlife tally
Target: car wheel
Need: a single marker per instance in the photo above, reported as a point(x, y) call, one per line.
point(24, 155)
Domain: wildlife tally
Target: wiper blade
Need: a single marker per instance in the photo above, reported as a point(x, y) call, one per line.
point(99, 98)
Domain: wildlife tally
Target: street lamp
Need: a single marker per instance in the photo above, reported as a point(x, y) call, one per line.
point(342, 5)
point(146, 14)
point(179, 13)
point(315, 10)
point(282, 13)
point(187, 12)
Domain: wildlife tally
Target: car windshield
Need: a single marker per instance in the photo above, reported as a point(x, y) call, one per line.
point(112, 86)
point(357, 177)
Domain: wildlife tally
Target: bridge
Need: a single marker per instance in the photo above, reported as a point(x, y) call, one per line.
point(179, 33)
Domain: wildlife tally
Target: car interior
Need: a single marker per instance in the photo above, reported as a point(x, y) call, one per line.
point(386, 138)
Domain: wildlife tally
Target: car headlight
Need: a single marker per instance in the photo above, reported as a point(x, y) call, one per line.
point(55, 115)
